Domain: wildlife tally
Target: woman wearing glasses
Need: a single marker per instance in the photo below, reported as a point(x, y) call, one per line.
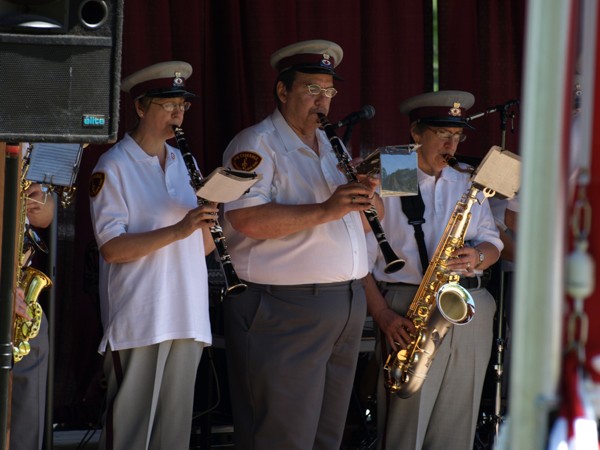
point(443, 413)
point(153, 239)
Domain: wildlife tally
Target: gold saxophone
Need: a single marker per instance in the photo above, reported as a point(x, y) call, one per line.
point(31, 280)
point(440, 303)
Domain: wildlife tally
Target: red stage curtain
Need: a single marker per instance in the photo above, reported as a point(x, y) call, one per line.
point(481, 48)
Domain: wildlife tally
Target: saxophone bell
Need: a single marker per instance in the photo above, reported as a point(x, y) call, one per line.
point(33, 282)
point(455, 303)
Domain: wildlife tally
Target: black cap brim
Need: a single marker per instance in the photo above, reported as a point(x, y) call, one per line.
point(170, 93)
point(313, 69)
point(447, 122)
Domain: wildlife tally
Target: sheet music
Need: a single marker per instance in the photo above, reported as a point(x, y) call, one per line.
point(54, 164)
point(499, 170)
point(225, 185)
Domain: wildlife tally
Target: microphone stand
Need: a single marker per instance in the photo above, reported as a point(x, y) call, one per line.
point(503, 110)
point(347, 134)
point(497, 418)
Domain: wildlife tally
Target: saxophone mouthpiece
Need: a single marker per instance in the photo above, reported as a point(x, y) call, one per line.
point(450, 160)
point(453, 162)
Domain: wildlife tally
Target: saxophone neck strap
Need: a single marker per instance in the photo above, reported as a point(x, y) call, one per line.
point(414, 208)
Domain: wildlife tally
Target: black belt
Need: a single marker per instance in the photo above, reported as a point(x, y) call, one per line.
point(476, 282)
point(340, 285)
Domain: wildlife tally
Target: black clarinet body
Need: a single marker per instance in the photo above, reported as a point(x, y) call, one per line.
point(233, 285)
point(393, 263)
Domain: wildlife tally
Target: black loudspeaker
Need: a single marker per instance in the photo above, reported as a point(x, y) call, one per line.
point(60, 70)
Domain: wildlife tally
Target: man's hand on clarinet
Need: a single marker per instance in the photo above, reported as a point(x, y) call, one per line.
point(349, 197)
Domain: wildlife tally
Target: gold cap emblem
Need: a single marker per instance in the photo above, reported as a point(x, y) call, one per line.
point(455, 110)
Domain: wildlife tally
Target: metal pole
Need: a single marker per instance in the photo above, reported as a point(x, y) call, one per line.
point(51, 315)
point(537, 320)
point(7, 287)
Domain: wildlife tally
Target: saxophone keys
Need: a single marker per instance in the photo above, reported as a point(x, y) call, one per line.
point(423, 311)
point(34, 330)
point(24, 329)
point(21, 350)
point(401, 355)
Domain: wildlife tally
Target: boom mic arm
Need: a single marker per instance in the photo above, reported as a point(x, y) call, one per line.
point(503, 107)
point(366, 112)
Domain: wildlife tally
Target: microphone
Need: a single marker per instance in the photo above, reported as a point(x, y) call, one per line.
point(367, 112)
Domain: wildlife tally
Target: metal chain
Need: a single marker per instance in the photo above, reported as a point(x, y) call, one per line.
point(580, 274)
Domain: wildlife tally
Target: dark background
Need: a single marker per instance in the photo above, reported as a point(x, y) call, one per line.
point(388, 57)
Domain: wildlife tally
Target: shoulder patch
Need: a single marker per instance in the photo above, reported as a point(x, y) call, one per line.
point(246, 161)
point(96, 183)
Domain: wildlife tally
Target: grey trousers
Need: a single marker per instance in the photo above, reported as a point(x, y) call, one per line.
point(291, 355)
point(150, 396)
point(443, 414)
point(28, 403)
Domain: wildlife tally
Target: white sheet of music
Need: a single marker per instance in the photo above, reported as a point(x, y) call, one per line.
point(225, 185)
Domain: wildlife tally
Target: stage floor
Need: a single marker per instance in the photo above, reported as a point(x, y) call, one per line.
point(221, 438)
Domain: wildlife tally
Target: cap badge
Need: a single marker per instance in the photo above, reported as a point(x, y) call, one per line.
point(455, 110)
point(325, 61)
point(178, 80)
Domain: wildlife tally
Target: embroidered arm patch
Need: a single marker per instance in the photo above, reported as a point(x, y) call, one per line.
point(96, 183)
point(246, 161)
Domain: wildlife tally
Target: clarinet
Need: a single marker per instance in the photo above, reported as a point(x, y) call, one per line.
point(393, 263)
point(233, 285)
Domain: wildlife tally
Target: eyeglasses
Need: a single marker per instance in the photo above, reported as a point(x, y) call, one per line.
point(446, 135)
point(170, 106)
point(315, 89)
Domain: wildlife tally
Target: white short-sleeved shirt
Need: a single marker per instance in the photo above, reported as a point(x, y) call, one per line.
point(293, 175)
point(439, 198)
point(163, 295)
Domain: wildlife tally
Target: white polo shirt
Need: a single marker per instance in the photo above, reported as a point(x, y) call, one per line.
point(439, 198)
point(163, 295)
point(293, 174)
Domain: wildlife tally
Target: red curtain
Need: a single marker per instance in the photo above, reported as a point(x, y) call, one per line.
point(387, 58)
point(480, 51)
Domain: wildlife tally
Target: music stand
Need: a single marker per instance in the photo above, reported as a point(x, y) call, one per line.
point(396, 167)
point(54, 164)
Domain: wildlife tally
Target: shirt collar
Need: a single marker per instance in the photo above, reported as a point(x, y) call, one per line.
point(448, 173)
point(290, 139)
point(136, 151)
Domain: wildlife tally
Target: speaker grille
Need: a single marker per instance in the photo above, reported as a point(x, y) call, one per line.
point(60, 88)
